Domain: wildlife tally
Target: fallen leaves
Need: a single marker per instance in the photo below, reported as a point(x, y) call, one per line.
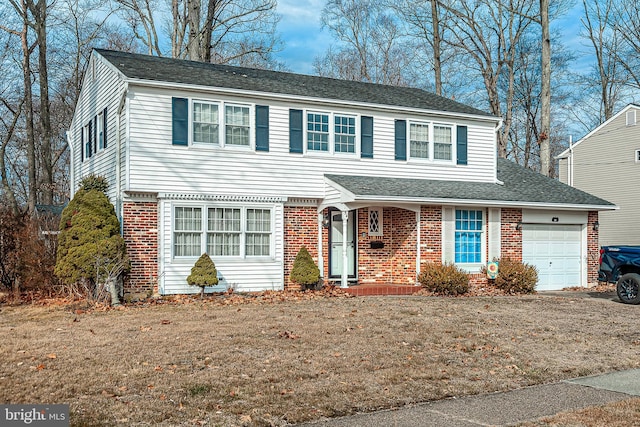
point(288, 335)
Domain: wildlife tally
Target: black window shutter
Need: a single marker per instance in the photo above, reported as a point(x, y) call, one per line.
point(104, 128)
point(366, 137)
point(82, 144)
point(401, 140)
point(180, 121)
point(295, 131)
point(95, 134)
point(461, 147)
point(262, 128)
point(90, 141)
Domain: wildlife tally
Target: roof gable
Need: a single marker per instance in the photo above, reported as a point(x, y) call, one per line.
point(566, 152)
point(183, 72)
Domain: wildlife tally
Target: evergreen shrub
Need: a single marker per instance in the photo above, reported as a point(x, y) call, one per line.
point(203, 273)
point(305, 272)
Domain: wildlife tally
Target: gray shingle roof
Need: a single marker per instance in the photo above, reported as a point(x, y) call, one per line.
point(153, 68)
point(521, 186)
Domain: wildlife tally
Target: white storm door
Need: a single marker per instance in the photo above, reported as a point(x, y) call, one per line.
point(335, 258)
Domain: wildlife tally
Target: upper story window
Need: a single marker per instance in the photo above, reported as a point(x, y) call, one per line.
point(345, 134)
point(419, 140)
point(631, 118)
point(442, 142)
point(317, 132)
point(237, 125)
point(324, 137)
point(93, 135)
point(430, 141)
point(205, 123)
point(637, 156)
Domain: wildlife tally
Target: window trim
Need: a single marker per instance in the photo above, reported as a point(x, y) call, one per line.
point(431, 140)
point(331, 151)
point(204, 230)
point(472, 266)
point(638, 156)
point(222, 124)
point(380, 214)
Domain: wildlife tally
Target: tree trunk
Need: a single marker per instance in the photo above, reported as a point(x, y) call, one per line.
point(193, 20)
point(437, 64)
point(32, 197)
point(113, 290)
point(545, 102)
point(39, 12)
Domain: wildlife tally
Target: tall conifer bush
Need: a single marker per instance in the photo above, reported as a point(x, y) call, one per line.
point(92, 254)
point(305, 272)
point(203, 273)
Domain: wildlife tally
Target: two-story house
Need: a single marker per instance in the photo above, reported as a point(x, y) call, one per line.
point(606, 163)
point(249, 165)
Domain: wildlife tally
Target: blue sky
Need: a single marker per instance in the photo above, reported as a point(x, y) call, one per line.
point(304, 38)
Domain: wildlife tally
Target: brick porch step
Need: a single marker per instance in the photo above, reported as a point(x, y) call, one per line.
point(369, 290)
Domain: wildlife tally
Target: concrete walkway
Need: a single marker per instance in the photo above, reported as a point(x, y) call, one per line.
point(503, 409)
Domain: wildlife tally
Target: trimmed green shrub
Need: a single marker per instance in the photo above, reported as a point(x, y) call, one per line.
point(515, 277)
point(443, 279)
point(92, 254)
point(203, 273)
point(94, 182)
point(305, 272)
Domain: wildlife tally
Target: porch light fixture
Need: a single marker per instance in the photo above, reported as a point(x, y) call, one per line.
point(325, 221)
point(519, 226)
point(596, 226)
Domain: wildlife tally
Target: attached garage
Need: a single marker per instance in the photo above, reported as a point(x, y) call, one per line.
point(556, 251)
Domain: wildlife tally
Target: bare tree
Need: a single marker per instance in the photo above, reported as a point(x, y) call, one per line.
point(626, 22)
point(371, 43)
point(606, 42)
point(545, 104)
point(488, 31)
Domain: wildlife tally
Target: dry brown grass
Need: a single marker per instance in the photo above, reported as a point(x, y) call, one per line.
point(619, 414)
point(285, 362)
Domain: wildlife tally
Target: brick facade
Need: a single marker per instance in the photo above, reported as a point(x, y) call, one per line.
point(593, 249)
point(395, 263)
point(140, 232)
point(510, 237)
point(300, 229)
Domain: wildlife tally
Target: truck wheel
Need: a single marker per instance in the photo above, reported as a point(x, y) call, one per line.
point(628, 288)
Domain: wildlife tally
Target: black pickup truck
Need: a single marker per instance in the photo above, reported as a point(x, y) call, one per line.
point(621, 265)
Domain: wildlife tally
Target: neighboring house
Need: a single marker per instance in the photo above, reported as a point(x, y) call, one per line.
point(249, 165)
point(606, 163)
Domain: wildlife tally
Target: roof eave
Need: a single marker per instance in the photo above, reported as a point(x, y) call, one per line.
point(481, 202)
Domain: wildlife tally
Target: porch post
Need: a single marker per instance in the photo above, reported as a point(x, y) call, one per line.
point(320, 258)
point(345, 256)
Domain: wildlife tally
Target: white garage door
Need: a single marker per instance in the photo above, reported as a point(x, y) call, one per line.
point(555, 250)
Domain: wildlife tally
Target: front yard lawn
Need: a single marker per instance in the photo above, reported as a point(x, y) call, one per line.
point(273, 363)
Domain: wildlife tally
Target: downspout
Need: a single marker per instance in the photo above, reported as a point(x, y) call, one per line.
point(72, 183)
point(570, 162)
point(495, 133)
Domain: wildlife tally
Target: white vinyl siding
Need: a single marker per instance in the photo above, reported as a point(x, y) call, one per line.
point(103, 91)
point(158, 166)
point(253, 273)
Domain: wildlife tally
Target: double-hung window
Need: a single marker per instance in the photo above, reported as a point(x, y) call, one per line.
point(236, 125)
point(442, 142)
point(419, 140)
point(206, 122)
point(317, 132)
point(100, 126)
point(222, 231)
point(344, 134)
point(468, 236)
point(187, 230)
point(258, 232)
